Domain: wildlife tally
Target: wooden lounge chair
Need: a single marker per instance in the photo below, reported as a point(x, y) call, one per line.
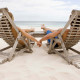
point(6, 34)
point(72, 39)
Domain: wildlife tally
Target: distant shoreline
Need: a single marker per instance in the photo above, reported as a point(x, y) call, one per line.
point(40, 21)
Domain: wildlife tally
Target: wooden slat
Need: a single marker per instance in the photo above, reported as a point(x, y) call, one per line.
point(5, 32)
point(78, 32)
point(3, 16)
point(9, 36)
point(76, 21)
point(74, 35)
point(4, 25)
point(9, 40)
point(75, 28)
point(5, 28)
point(74, 32)
point(4, 19)
point(70, 43)
point(66, 44)
point(72, 40)
point(78, 18)
point(75, 24)
point(5, 37)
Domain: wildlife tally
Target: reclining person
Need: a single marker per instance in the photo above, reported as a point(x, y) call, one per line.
point(52, 34)
point(23, 31)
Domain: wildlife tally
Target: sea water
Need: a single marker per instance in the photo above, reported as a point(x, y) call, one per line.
point(39, 23)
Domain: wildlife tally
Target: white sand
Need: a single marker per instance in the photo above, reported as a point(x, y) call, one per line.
point(38, 66)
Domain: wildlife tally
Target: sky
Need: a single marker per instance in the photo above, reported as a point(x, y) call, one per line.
point(40, 10)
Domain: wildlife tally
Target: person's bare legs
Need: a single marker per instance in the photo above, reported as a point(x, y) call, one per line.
point(65, 34)
point(29, 30)
point(27, 35)
point(46, 29)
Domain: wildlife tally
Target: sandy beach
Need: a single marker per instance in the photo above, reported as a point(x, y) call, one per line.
point(38, 65)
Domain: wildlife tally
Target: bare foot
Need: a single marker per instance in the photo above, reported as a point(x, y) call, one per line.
point(43, 26)
point(32, 29)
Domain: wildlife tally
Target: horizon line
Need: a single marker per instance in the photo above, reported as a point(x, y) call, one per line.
point(45, 21)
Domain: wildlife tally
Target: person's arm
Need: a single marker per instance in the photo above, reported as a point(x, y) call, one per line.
point(51, 35)
point(27, 35)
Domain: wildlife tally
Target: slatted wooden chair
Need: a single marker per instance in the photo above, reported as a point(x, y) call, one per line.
point(72, 39)
point(6, 34)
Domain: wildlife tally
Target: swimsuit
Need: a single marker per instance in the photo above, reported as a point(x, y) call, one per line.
point(49, 40)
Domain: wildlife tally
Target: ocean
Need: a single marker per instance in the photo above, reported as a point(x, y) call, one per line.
point(39, 23)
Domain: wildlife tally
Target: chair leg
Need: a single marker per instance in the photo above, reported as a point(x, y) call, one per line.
point(13, 51)
point(63, 46)
point(27, 45)
point(74, 59)
point(51, 47)
point(14, 47)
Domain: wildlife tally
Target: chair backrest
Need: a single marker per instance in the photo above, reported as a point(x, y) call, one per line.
point(6, 25)
point(73, 36)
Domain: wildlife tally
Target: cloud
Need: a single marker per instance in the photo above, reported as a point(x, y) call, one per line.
point(41, 10)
